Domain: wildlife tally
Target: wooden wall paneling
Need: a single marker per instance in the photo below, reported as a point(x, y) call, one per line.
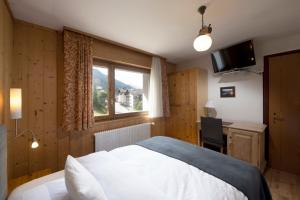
point(50, 99)
point(116, 44)
point(75, 144)
point(80, 143)
point(182, 89)
point(2, 7)
point(8, 63)
point(111, 52)
point(17, 146)
point(88, 143)
point(35, 72)
point(158, 127)
point(6, 46)
point(171, 68)
point(35, 96)
point(20, 79)
point(60, 65)
point(172, 85)
point(8, 58)
point(63, 144)
point(118, 123)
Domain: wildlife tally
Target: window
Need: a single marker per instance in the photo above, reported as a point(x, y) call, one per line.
point(119, 90)
point(100, 91)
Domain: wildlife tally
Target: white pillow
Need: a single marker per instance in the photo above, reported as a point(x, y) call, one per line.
point(80, 183)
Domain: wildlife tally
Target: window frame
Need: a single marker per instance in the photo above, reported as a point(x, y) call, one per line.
point(112, 66)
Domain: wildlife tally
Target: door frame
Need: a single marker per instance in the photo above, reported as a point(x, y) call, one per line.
point(266, 95)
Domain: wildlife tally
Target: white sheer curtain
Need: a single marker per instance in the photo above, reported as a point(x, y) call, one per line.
point(155, 91)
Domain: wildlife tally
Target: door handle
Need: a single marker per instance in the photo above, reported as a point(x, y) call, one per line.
point(278, 119)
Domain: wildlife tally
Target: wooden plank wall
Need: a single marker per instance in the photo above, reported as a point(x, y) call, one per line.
point(111, 52)
point(6, 58)
point(35, 71)
point(6, 48)
point(38, 65)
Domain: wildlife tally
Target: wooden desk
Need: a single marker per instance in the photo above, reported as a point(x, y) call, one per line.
point(245, 141)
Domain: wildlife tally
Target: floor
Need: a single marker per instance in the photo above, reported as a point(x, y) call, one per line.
point(283, 185)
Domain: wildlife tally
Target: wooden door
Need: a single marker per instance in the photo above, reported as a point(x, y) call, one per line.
point(182, 90)
point(284, 112)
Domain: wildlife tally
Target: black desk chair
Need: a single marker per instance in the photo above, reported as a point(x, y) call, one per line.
point(212, 133)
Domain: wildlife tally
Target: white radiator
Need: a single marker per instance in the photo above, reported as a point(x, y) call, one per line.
point(111, 139)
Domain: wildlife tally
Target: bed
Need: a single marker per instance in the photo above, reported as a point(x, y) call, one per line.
point(160, 165)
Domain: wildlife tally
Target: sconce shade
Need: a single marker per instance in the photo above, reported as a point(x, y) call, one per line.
point(15, 103)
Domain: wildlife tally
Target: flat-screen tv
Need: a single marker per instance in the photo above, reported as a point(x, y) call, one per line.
point(234, 58)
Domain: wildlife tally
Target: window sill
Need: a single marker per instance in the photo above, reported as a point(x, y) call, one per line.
point(121, 121)
point(120, 116)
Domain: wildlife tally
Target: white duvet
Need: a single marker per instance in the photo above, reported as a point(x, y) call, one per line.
point(135, 173)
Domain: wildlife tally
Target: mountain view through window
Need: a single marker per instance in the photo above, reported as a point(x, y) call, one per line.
point(100, 91)
point(130, 91)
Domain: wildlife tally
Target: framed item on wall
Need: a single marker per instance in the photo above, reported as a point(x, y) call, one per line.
point(227, 92)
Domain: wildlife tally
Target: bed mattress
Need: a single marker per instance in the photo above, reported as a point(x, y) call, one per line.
point(141, 170)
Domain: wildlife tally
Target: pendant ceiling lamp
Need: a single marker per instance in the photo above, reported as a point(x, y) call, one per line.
point(203, 42)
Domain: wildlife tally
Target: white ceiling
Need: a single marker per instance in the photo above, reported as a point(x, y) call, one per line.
point(165, 27)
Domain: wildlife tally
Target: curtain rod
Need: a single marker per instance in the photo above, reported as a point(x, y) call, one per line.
point(112, 42)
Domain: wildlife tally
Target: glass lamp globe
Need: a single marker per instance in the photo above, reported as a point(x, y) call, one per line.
point(34, 143)
point(202, 42)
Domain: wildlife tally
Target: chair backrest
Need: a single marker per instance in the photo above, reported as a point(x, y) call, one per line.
point(212, 130)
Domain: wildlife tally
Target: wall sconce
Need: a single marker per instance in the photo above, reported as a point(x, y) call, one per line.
point(16, 113)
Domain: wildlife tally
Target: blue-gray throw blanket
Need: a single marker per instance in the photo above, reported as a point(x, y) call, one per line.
point(241, 175)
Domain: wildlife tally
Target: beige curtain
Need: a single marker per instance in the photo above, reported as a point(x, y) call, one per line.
point(77, 84)
point(158, 89)
point(165, 88)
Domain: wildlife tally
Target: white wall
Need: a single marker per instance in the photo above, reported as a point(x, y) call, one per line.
point(248, 103)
